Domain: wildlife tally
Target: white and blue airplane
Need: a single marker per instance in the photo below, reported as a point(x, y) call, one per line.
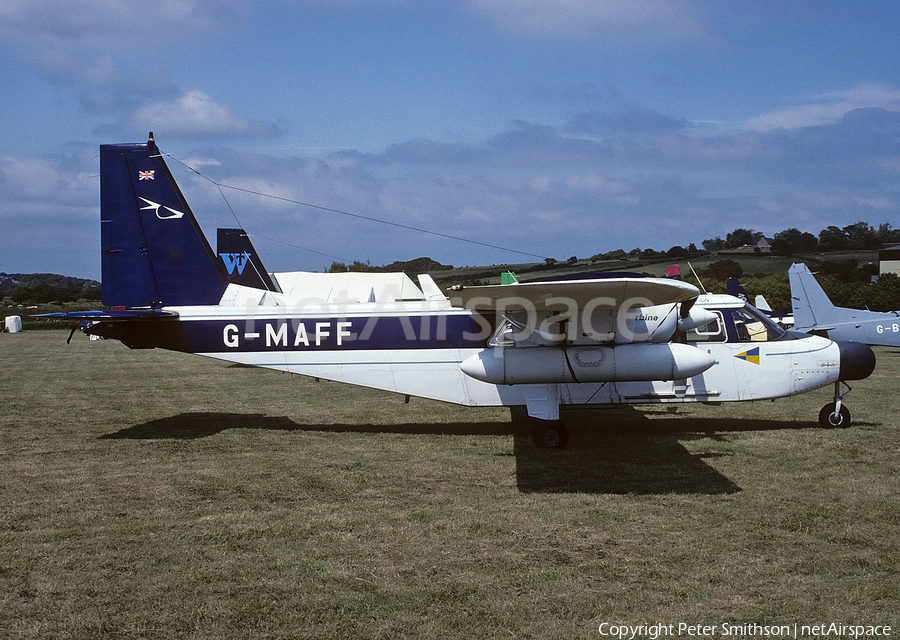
point(541, 344)
point(815, 313)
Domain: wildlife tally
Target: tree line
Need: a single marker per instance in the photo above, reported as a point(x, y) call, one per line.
point(793, 241)
point(845, 282)
point(860, 235)
point(40, 288)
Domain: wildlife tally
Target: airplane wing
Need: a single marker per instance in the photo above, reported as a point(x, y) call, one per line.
point(601, 310)
point(614, 292)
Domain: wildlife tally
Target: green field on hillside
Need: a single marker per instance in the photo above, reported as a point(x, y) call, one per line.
point(752, 263)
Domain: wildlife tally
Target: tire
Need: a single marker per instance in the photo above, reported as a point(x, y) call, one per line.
point(549, 434)
point(828, 420)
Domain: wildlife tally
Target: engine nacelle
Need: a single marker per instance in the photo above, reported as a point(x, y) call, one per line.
point(697, 317)
point(621, 363)
point(656, 323)
point(659, 323)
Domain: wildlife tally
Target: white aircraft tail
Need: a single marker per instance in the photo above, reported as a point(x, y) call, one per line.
point(812, 307)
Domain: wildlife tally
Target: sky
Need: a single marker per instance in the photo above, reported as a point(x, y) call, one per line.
point(504, 131)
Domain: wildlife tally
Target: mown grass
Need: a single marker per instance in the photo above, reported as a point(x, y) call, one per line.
point(148, 494)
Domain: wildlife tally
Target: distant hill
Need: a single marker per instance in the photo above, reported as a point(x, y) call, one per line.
point(417, 266)
point(36, 288)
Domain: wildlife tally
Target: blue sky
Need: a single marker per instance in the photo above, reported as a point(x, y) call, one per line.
point(549, 127)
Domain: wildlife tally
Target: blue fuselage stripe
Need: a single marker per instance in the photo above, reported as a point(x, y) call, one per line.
point(435, 331)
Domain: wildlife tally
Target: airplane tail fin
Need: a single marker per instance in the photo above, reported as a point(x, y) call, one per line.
point(812, 307)
point(241, 261)
point(153, 252)
point(762, 304)
point(734, 288)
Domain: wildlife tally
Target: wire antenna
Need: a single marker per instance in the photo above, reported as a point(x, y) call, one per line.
point(221, 185)
point(702, 288)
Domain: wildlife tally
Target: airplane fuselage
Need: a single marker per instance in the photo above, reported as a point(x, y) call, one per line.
point(881, 331)
point(419, 348)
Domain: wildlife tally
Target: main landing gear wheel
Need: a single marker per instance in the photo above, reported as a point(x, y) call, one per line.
point(549, 434)
point(829, 420)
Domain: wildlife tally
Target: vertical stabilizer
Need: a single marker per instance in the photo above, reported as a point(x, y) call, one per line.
point(241, 261)
point(733, 287)
point(812, 307)
point(762, 304)
point(153, 252)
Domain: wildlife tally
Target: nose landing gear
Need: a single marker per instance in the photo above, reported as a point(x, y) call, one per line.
point(835, 414)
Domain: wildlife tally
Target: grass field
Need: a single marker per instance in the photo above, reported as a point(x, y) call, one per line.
point(148, 494)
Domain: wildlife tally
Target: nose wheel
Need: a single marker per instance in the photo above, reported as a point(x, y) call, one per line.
point(831, 417)
point(834, 414)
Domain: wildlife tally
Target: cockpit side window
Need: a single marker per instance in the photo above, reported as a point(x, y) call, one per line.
point(713, 331)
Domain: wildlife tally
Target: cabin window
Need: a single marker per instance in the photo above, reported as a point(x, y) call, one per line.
point(713, 331)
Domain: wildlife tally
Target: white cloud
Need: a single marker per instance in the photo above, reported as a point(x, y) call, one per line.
point(827, 108)
point(196, 114)
point(643, 21)
point(33, 179)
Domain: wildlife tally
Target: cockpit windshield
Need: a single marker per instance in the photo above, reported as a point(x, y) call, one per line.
point(751, 325)
point(742, 324)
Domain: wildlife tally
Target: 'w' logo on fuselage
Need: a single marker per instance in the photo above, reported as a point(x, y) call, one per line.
point(235, 261)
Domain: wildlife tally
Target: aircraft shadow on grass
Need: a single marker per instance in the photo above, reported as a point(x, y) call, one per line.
point(617, 462)
point(620, 450)
point(610, 451)
point(188, 426)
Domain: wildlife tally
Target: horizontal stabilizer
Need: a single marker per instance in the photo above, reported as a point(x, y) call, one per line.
point(113, 315)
